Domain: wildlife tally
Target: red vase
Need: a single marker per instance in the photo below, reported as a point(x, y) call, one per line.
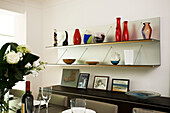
point(77, 37)
point(125, 32)
point(118, 35)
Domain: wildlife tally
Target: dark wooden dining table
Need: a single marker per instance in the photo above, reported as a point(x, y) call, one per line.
point(14, 105)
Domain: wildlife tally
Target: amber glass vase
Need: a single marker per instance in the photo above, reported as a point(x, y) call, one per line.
point(125, 32)
point(146, 30)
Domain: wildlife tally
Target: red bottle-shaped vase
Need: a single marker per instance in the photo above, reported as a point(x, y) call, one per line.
point(118, 35)
point(77, 37)
point(125, 32)
point(146, 30)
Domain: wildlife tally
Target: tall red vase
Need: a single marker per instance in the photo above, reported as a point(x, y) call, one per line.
point(125, 32)
point(77, 37)
point(118, 35)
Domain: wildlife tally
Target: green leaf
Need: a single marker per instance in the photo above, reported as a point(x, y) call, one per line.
point(4, 48)
point(29, 58)
point(13, 46)
point(18, 75)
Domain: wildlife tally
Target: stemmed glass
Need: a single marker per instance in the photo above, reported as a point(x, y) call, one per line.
point(46, 94)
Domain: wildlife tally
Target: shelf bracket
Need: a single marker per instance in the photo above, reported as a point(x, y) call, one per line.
point(61, 56)
point(83, 53)
point(138, 53)
point(107, 54)
point(61, 39)
point(108, 30)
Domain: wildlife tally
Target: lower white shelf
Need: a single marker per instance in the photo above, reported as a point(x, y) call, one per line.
point(107, 65)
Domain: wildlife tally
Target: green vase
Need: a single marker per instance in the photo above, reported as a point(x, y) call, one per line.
point(4, 100)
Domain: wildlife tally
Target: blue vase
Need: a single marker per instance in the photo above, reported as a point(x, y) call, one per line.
point(87, 38)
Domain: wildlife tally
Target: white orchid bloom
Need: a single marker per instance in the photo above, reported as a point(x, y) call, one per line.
point(34, 73)
point(28, 65)
point(36, 63)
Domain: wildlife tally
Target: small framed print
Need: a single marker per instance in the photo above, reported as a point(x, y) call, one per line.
point(83, 80)
point(100, 82)
point(120, 85)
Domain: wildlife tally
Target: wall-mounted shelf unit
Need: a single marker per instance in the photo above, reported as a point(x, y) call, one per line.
point(146, 52)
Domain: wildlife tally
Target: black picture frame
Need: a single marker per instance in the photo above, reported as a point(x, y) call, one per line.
point(83, 80)
point(120, 85)
point(100, 82)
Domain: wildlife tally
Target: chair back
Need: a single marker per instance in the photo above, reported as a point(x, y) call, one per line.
point(141, 110)
point(58, 100)
point(17, 92)
point(101, 107)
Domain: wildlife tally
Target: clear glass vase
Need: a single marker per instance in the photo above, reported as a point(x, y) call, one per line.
point(4, 100)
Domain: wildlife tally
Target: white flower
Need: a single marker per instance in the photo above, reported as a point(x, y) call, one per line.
point(12, 57)
point(28, 65)
point(34, 73)
point(36, 63)
point(42, 66)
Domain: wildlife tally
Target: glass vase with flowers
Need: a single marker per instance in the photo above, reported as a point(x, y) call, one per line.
point(16, 61)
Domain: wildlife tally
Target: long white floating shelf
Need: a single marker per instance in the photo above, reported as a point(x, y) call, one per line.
point(107, 65)
point(105, 43)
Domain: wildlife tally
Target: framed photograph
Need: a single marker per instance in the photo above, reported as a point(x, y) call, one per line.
point(83, 80)
point(120, 85)
point(100, 82)
point(70, 77)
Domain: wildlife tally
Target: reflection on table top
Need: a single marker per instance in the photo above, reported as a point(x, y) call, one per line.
point(14, 106)
point(87, 111)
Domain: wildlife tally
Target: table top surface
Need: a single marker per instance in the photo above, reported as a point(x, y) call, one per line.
point(87, 111)
point(14, 106)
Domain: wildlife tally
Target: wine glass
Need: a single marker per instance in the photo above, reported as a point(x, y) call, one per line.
point(46, 94)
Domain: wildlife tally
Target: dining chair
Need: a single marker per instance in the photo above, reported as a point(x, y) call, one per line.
point(141, 110)
point(58, 100)
point(16, 92)
point(101, 107)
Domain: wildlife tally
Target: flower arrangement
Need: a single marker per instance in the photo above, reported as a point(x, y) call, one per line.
point(16, 61)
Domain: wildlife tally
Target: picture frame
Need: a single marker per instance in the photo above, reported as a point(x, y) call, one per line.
point(70, 77)
point(83, 80)
point(120, 85)
point(100, 82)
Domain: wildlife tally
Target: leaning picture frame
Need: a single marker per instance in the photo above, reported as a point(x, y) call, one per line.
point(83, 80)
point(100, 82)
point(70, 77)
point(120, 85)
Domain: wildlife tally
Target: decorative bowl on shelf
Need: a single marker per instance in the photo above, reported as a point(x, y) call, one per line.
point(143, 94)
point(92, 62)
point(69, 61)
point(115, 62)
point(115, 58)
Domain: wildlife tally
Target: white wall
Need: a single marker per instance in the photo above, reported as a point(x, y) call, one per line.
point(28, 30)
point(19, 34)
point(69, 14)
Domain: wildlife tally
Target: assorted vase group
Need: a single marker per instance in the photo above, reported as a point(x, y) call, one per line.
point(99, 37)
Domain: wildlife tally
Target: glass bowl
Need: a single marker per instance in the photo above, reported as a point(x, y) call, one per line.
point(143, 94)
